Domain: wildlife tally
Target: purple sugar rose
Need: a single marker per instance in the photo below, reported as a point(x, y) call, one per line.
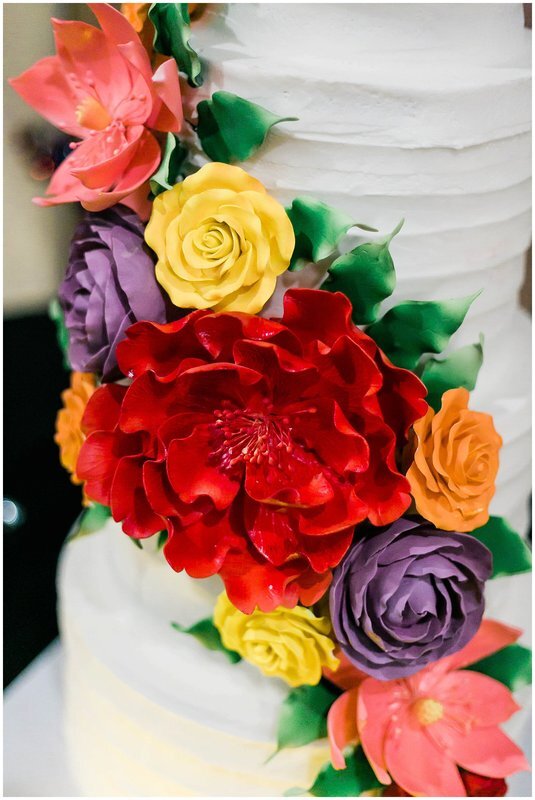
point(407, 595)
point(109, 285)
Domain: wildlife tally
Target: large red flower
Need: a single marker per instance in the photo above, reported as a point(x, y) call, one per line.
point(258, 443)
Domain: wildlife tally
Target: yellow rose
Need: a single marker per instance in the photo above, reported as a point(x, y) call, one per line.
point(288, 643)
point(221, 240)
point(455, 464)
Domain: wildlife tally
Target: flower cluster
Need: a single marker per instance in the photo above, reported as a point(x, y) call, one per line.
point(260, 444)
point(292, 456)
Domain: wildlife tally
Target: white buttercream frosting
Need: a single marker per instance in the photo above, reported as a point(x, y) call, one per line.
point(418, 111)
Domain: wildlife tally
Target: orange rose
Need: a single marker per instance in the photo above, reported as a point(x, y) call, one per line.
point(455, 464)
point(69, 435)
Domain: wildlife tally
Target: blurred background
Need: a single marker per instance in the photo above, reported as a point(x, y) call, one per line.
point(40, 502)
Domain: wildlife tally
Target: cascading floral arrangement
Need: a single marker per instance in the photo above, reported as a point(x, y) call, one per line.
point(325, 464)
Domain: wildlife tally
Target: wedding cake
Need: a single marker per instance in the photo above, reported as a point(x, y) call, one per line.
point(418, 111)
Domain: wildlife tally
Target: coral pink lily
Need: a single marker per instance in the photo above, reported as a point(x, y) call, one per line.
point(419, 730)
point(100, 88)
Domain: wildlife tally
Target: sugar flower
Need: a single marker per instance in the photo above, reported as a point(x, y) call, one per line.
point(221, 240)
point(408, 595)
point(420, 730)
point(292, 644)
point(69, 435)
point(258, 443)
point(109, 284)
point(100, 88)
point(455, 464)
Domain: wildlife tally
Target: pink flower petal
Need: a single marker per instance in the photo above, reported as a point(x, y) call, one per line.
point(167, 111)
point(491, 637)
point(118, 29)
point(417, 764)
point(481, 700)
point(103, 159)
point(486, 751)
point(342, 726)
point(45, 88)
point(374, 711)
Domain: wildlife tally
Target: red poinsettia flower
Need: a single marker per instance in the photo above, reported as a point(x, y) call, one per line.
point(258, 443)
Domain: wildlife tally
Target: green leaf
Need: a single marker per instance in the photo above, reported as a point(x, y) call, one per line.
point(91, 520)
point(136, 543)
point(162, 539)
point(231, 128)
point(318, 229)
point(171, 38)
point(55, 313)
point(416, 327)
point(366, 275)
point(510, 553)
point(511, 666)
point(303, 717)
point(170, 170)
point(356, 778)
point(207, 634)
point(461, 368)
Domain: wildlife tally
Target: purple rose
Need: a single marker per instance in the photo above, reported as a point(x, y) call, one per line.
point(109, 285)
point(407, 595)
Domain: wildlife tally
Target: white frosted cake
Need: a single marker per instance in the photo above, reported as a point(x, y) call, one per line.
point(415, 111)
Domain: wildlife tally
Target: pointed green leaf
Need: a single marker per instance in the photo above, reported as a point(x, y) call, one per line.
point(55, 313)
point(460, 368)
point(510, 553)
point(136, 543)
point(318, 229)
point(162, 539)
point(171, 38)
point(231, 128)
point(416, 327)
point(303, 717)
point(511, 666)
point(207, 634)
point(356, 778)
point(366, 275)
point(169, 172)
point(91, 520)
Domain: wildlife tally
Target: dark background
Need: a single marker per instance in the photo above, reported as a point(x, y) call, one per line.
point(34, 480)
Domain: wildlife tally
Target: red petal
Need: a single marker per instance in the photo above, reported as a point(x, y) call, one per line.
point(289, 376)
point(201, 548)
point(193, 474)
point(326, 430)
point(103, 409)
point(313, 314)
point(297, 479)
point(270, 529)
point(323, 552)
point(159, 348)
point(98, 461)
point(128, 500)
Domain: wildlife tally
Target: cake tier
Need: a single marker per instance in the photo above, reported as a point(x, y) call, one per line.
point(150, 711)
point(419, 111)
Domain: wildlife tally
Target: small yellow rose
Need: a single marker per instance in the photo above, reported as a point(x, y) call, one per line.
point(288, 643)
point(221, 240)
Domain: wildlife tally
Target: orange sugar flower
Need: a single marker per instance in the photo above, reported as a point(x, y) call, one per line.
point(455, 464)
point(69, 436)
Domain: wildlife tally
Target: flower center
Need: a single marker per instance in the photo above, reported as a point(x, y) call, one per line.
point(250, 437)
point(92, 114)
point(428, 710)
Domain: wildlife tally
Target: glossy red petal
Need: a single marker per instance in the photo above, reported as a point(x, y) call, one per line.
point(193, 473)
point(128, 500)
